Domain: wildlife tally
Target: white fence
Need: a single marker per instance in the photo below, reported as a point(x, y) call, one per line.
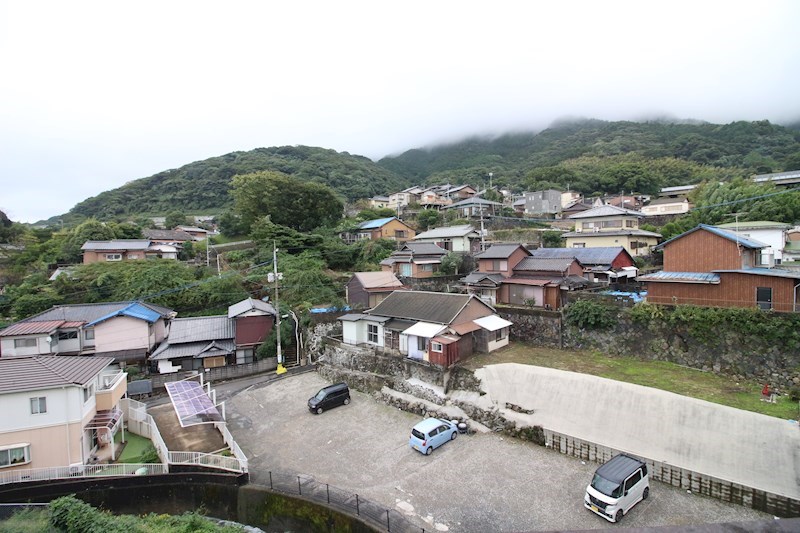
point(69, 472)
point(235, 449)
point(211, 460)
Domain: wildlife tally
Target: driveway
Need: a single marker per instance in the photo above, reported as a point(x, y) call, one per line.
point(478, 483)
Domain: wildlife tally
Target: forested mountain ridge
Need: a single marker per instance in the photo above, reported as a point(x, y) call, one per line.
point(203, 186)
point(591, 156)
point(520, 160)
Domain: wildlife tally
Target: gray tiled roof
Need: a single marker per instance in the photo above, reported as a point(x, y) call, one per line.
point(172, 235)
point(119, 244)
point(435, 307)
point(423, 248)
point(499, 251)
point(203, 328)
point(192, 349)
point(603, 255)
point(250, 304)
point(41, 372)
point(447, 231)
point(607, 211)
point(90, 312)
point(540, 264)
point(477, 277)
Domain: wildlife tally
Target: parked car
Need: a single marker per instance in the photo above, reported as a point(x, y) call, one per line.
point(432, 433)
point(329, 397)
point(617, 486)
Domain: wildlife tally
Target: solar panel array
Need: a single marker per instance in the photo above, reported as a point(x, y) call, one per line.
point(191, 403)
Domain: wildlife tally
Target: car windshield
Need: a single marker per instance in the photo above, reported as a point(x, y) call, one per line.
point(609, 488)
point(320, 395)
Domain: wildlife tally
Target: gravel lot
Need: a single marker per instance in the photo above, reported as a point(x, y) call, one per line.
point(477, 483)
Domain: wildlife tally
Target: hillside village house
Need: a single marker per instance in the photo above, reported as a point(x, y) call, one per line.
point(545, 203)
point(439, 328)
point(463, 238)
point(391, 228)
point(476, 207)
point(712, 267)
point(198, 234)
point(607, 225)
point(600, 265)
point(414, 260)
point(399, 200)
point(378, 202)
point(667, 206)
point(495, 264)
point(368, 289)
point(57, 411)
point(773, 234)
point(167, 236)
point(539, 282)
point(125, 331)
point(126, 250)
point(211, 341)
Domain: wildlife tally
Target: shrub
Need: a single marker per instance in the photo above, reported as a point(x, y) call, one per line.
point(588, 314)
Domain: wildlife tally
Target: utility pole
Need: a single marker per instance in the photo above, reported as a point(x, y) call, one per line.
point(275, 277)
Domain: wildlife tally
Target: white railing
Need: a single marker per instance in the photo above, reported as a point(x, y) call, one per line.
point(210, 460)
point(235, 449)
point(67, 472)
point(157, 440)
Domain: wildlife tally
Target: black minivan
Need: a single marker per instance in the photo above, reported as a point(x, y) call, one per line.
point(330, 396)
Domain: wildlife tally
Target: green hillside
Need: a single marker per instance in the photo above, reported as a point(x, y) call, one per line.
point(589, 155)
point(203, 186)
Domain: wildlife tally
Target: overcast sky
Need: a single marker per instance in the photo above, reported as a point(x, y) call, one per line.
point(95, 94)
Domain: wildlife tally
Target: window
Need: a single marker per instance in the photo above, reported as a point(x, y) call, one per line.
point(426, 268)
point(579, 245)
point(38, 405)
point(88, 392)
point(400, 234)
point(499, 265)
point(422, 344)
point(24, 343)
point(587, 225)
point(764, 297)
point(500, 334)
point(612, 224)
point(436, 347)
point(67, 335)
point(88, 334)
point(629, 224)
point(633, 480)
point(15, 454)
point(133, 256)
point(113, 257)
point(372, 333)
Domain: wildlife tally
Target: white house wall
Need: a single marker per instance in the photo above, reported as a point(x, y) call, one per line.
point(350, 332)
point(42, 346)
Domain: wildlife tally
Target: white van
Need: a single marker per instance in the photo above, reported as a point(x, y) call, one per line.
point(617, 486)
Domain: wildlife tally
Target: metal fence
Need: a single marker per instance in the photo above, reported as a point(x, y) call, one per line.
point(330, 496)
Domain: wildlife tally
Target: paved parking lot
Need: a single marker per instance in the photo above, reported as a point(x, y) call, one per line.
point(477, 483)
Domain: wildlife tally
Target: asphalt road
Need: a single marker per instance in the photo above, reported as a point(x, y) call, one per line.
point(477, 483)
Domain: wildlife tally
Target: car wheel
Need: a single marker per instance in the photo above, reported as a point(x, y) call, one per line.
point(346, 401)
point(454, 435)
point(646, 493)
point(618, 516)
point(319, 410)
point(429, 450)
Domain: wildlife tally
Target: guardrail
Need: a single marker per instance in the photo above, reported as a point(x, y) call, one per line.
point(235, 449)
point(211, 460)
point(69, 472)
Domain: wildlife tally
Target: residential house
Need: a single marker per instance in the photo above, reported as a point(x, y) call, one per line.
point(600, 265)
point(626, 202)
point(540, 281)
point(378, 202)
point(368, 289)
point(434, 197)
point(211, 341)
point(382, 228)
point(125, 331)
point(476, 207)
point(404, 198)
point(573, 208)
point(780, 179)
point(167, 236)
point(463, 238)
point(773, 234)
point(666, 205)
point(436, 327)
point(545, 203)
point(607, 225)
point(125, 250)
point(198, 234)
point(460, 192)
point(494, 265)
point(57, 411)
point(415, 260)
point(712, 267)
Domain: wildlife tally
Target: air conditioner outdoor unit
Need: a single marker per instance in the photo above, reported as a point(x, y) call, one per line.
point(578, 230)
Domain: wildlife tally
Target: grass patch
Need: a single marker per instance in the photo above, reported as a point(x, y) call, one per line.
point(657, 374)
point(30, 520)
point(134, 447)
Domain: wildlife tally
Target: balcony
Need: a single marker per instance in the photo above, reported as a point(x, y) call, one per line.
point(113, 386)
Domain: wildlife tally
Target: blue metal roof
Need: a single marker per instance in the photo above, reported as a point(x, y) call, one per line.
point(374, 224)
point(134, 310)
point(681, 277)
point(731, 236)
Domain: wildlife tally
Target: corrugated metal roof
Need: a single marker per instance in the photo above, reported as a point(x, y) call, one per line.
point(119, 244)
point(493, 322)
point(607, 211)
point(41, 372)
point(31, 328)
point(375, 224)
point(134, 310)
point(606, 233)
point(203, 328)
point(377, 280)
point(475, 200)
point(770, 272)
point(90, 312)
point(535, 282)
point(250, 304)
point(449, 231)
point(434, 307)
point(681, 277)
point(754, 224)
point(500, 251)
point(545, 264)
point(604, 255)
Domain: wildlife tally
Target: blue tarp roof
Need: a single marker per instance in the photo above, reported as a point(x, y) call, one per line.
point(134, 310)
point(373, 224)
